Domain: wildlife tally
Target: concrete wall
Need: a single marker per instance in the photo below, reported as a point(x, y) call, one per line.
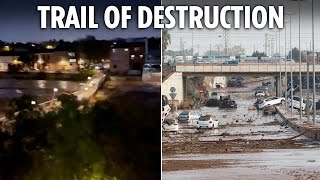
point(175, 80)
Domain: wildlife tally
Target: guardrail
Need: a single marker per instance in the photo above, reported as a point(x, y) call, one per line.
point(243, 68)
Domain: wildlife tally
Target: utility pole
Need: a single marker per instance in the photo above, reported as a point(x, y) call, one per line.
point(308, 84)
point(286, 73)
point(291, 74)
point(210, 50)
point(226, 41)
point(280, 88)
point(198, 49)
point(266, 44)
point(313, 68)
point(181, 45)
point(300, 77)
point(192, 43)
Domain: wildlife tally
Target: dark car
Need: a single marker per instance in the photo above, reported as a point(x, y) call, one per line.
point(227, 102)
point(258, 101)
point(238, 78)
point(213, 102)
point(231, 62)
point(233, 83)
point(266, 83)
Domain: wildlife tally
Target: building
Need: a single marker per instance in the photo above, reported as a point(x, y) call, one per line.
point(8, 58)
point(51, 60)
point(5, 61)
point(127, 56)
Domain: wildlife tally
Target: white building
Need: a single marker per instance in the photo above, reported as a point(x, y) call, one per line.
point(5, 61)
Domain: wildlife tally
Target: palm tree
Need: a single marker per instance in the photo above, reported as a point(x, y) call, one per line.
point(166, 40)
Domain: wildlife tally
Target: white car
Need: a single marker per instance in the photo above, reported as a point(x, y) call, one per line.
point(207, 122)
point(186, 116)
point(296, 103)
point(170, 125)
point(259, 93)
point(272, 101)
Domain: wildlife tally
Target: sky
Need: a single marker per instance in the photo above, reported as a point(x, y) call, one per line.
point(20, 21)
point(252, 39)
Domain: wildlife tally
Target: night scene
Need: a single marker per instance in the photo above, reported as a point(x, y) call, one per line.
point(78, 104)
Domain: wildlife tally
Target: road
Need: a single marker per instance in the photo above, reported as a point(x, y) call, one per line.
point(264, 152)
point(119, 85)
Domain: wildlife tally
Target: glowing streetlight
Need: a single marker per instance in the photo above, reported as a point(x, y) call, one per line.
point(33, 102)
point(85, 88)
point(54, 94)
point(89, 78)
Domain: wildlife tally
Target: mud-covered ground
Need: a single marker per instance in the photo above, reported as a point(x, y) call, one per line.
point(243, 132)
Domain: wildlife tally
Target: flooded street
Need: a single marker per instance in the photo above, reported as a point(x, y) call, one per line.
point(10, 88)
point(42, 90)
point(247, 145)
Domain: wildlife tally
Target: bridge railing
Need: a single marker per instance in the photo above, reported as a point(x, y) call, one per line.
point(245, 68)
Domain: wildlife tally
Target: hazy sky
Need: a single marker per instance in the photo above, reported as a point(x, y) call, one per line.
point(252, 38)
point(20, 21)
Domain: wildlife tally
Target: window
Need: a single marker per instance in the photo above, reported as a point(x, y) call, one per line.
point(136, 49)
point(113, 50)
point(204, 118)
point(296, 98)
point(126, 49)
point(115, 66)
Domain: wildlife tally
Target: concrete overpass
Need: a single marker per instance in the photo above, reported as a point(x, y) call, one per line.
point(262, 69)
point(178, 79)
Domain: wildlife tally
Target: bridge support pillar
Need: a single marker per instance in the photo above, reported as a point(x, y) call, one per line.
point(278, 86)
point(185, 88)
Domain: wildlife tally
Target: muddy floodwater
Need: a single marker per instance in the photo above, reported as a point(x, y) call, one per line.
point(247, 145)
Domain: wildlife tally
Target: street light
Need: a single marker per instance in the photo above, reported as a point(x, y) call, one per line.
point(313, 68)
point(54, 94)
point(291, 74)
point(286, 73)
point(33, 102)
point(89, 78)
point(300, 77)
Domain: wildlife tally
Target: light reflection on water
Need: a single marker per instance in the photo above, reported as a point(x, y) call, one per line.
point(9, 88)
point(41, 84)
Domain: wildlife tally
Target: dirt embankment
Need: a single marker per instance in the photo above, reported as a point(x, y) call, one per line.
point(178, 165)
point(197, 147)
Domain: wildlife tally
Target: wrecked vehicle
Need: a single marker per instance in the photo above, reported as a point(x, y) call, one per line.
point(227, 102)
point(170, 125)
point(258, 101)
point(207, 122)
point(269, 110)
point(212, 102)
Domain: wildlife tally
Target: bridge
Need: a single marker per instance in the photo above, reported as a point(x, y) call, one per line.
point(178, 79)
point(269, 69)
